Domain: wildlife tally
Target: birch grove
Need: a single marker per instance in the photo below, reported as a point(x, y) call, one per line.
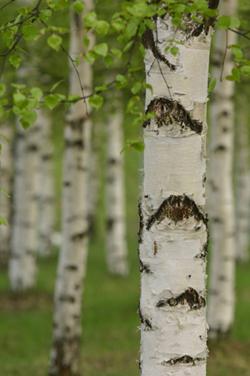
point(173, 224)
point(65, 354)
point(116, 246)
point(222, 216)
point(6, 137)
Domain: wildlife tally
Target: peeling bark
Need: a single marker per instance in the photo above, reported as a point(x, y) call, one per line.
point(221, 197)
point(173, 224)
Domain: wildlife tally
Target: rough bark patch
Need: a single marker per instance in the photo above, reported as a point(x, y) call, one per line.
point(176, 208)
point(189, 297)
point(167, 111)
point(185, 359)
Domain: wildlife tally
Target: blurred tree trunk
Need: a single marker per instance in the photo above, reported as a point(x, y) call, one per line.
point(6, 137)
point(243, 185)
point(47, 192)
point(116, 246)
point(173, 224)
point(24, 235)
point(65, 356)
point(221, 198)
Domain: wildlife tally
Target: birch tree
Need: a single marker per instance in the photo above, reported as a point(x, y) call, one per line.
point(72, 262)
point(6, 137)
point(222, 220)
point(24, 240)
point(46, 186)
point(116, 246)
point(173, 224)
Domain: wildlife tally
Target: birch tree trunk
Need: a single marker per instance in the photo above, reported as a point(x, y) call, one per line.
point(173, 224)
point(6, 137)
point(243, 187)
point(22, 266)
point(65, 354)
point(47, 194)
point(116, 246)
point(222, 269)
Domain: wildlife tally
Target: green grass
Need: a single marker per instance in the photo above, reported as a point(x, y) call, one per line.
point(110, 324)
point(110, 340)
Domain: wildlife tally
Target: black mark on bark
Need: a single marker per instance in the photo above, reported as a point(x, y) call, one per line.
point(177, 208)
point(145, 321)
point(189, 297)
point(185, 359)
point(168, 111)
point(144, 268)
point(140, 231)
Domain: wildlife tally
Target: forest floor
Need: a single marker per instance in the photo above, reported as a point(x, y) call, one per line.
point(110, 324)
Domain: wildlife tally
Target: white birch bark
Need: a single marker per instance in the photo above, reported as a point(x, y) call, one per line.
point(243, 187)
point(173, 225)
point(24, 241)
point(47, 194)
point(116, 245)
point(65, 354)
point(6, 137)
point(222, 221)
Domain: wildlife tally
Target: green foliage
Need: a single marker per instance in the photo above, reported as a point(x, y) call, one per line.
point(118, 48)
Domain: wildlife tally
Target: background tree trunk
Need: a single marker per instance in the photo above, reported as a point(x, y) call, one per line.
point(173, 228)
point(24, 242)
point(116, 246)
point(65, 357)
point(6, 138)
point(222, 269)
point(47, 194)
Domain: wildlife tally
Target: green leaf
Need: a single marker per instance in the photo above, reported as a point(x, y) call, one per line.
point(101, 49)
point(15, 60)
point(211, 85)
point(226, 22)
point(30, 32)
point(19, 99)
point(121, 80)
point(28, 117)
point(136, 88)
point(96, 101)
point(90, 20)
point(52, 100)
point(102, 27)
point(54, 41)
point(78, 6)
point(245, 70)
point(37, 93)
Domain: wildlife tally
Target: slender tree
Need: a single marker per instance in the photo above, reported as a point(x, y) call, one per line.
point(46, 186)
point(173, 224)
point(6, 137)
point(24, 240)
point(222, 220)
point(117, 253)
point(65, 354)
